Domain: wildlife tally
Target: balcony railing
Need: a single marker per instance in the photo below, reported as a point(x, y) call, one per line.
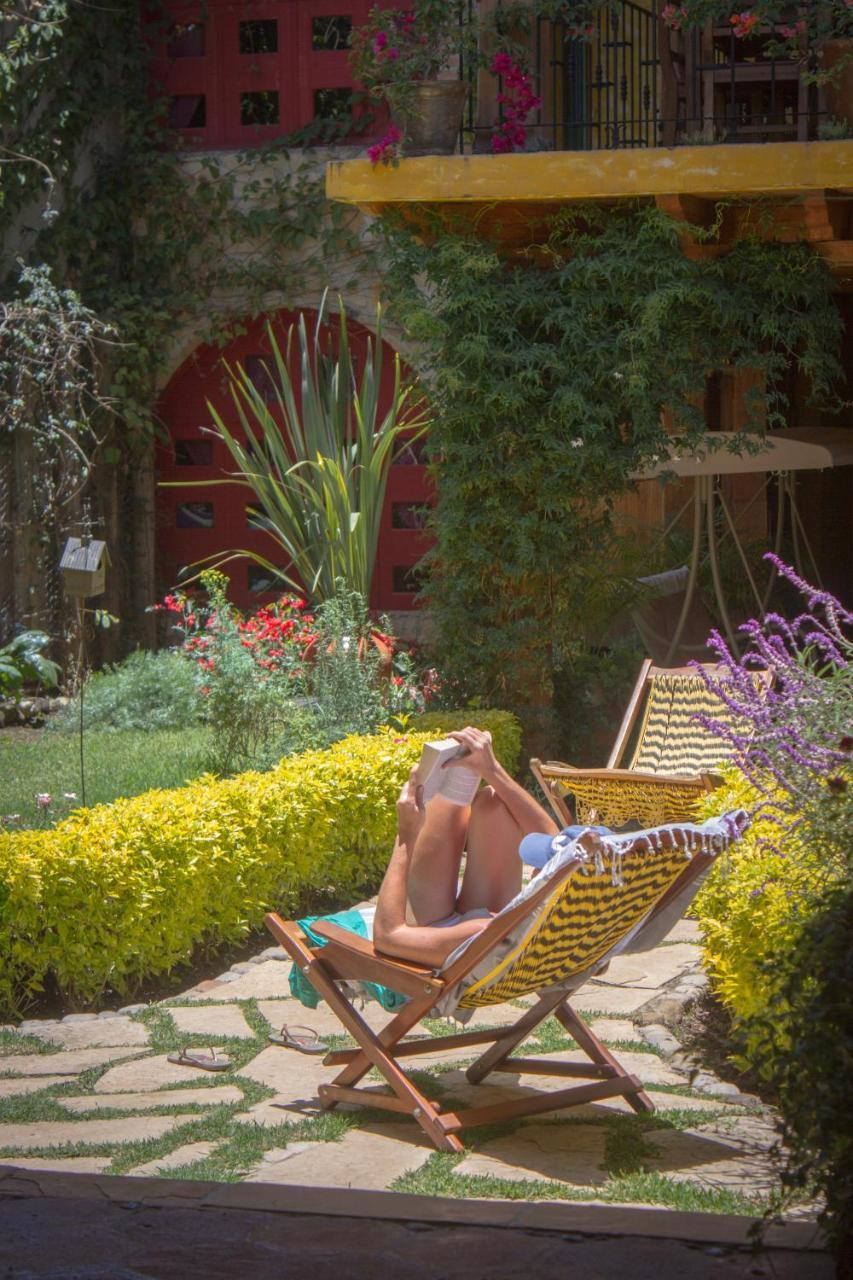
point(637, 83)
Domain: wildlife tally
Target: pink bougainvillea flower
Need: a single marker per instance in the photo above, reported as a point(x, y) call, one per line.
point(380, 153)
point(743, 24)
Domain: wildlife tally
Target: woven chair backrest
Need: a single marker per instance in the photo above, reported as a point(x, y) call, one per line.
point(671, 740)
point(590, 912)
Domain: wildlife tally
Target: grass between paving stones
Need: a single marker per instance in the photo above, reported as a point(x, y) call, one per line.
point(240, 1147)
point(13, 1043)
point(624, 1146)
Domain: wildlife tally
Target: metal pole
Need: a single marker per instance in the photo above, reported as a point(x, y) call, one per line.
point(81, 680)
point(695, 551)
point(715, 566)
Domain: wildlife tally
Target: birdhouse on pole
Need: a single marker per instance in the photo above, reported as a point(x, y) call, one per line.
point(83, 567)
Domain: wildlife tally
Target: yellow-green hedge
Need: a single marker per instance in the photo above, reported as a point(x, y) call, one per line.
point(126, 891)
point(752, 901)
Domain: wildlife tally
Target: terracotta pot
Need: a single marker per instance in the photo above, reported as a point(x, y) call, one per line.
point(839, 91)
point(377, 640)
point(432, 127)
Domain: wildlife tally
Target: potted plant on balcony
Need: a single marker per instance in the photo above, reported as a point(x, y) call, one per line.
point(402, 57)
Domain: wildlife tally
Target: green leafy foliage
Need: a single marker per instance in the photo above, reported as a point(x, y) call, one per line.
point(160, 875)
point(23, 661)
point(550, 373)
point(145, 691)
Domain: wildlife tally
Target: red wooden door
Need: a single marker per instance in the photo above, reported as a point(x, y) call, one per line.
point(194, 523)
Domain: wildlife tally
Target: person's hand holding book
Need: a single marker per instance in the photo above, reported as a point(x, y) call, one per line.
point(478, 756)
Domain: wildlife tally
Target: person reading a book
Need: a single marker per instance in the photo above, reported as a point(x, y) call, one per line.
point(422, 912)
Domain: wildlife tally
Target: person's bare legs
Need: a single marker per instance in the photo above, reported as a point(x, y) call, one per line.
point(420, 884)
point(492, 865)
point(436, 858)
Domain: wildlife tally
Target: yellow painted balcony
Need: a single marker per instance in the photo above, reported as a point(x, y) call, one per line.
point(635, 110)
point(785, 191)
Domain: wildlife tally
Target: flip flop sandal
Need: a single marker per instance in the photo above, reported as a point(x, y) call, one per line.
point(303, 1039)
point(206, 1060)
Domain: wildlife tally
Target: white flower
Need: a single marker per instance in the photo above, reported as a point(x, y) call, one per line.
point(577, 443)
point(69, 795)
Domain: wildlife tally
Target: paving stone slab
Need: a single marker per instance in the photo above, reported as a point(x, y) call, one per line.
point(28, 1084)
point(187, 1154)
point(685, 931)
point(650, 969)
point(70, 1063)
point(370, 1158)
point(609, 1001)
point(321, 1019)
point(732, 1156)
point(264, 981)
point(221, 1021)
point(59, 1164)
point(93, 1034)
point(147, 1101)
point(571, 1153)
point(612, 1029)
point(47, 1133)
point(269, 1114)
point(294, 1076)
point(144, 1075)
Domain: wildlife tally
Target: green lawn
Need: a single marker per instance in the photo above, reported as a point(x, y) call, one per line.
point(122, 763)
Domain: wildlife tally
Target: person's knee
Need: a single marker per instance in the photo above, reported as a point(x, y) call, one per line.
point(489, 807)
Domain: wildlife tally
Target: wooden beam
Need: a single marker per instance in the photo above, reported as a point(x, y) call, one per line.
point(687, 208)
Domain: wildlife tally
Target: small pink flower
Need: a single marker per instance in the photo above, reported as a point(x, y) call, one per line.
point(43, 799)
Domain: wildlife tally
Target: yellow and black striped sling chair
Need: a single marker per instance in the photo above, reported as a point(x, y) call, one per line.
point(596, 897)
point(673, 762)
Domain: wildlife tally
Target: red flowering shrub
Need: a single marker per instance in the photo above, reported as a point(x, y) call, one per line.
point(282, 680)
point(276, 637)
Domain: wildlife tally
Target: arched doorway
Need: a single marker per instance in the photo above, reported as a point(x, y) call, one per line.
point(196, 522)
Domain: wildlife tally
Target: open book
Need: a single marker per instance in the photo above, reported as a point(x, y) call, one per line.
point(458, 785)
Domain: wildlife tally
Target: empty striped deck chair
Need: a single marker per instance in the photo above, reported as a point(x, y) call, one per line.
point(597, 897)
point(672, 759)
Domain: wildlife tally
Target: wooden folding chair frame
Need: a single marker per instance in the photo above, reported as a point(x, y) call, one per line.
point(349, 957)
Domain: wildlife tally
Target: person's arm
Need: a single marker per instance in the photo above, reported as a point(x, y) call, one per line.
point(391, 934)
point(480, 757)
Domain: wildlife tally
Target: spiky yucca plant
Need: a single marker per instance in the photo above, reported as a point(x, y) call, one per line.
point(318, 459)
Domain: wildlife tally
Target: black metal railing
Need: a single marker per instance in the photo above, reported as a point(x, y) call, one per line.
point(633, 82)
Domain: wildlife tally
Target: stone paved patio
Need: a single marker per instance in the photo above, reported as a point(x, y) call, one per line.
point(97, 1093)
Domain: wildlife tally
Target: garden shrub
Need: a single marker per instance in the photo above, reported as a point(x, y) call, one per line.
point(123, 892)
point(283, 679)
point(760, 892)
point(145, 691)
point(777, 913)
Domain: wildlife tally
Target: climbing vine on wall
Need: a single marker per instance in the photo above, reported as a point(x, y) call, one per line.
point(145, 234)
point(550, 373)
point(152, 241)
